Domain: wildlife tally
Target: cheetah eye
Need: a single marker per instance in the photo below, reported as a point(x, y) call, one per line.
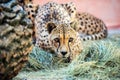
point(70, 39)
point(57, 40)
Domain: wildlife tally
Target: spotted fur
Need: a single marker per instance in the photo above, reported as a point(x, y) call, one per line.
point(64, 41)
point(88, 26)
point(31, 10)
point(55, 19)
point(50, 12)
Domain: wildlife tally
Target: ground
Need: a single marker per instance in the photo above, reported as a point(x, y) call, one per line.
point(98, 61)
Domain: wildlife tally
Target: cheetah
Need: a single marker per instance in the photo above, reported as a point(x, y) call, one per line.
point(88, 26)
point(31, 10)
point(60, 28)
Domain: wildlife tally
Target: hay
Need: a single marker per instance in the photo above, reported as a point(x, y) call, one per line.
point(100, 60)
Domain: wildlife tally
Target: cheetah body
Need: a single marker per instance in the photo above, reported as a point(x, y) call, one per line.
point(51, 16)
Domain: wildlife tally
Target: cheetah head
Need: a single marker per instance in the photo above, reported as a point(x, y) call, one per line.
point(64, 40)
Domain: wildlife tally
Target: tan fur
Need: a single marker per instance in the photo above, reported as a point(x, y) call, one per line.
point(65, 22)
point(64, 33)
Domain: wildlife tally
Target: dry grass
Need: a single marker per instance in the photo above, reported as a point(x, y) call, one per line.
point(100, 60)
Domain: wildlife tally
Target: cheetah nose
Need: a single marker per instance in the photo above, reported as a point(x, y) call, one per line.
point(64, 53)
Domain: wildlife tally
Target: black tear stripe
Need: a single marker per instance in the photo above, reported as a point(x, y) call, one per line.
point(58, 46)
point(69, 47)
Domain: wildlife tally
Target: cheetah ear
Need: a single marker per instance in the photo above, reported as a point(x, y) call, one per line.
point(50, 27)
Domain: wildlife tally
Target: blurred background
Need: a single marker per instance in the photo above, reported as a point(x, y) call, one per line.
point(107, 10)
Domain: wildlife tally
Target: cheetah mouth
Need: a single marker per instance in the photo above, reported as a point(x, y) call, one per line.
point(63, 58)
point(67, 60)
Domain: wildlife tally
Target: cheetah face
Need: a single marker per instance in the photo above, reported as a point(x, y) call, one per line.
point(63, 39)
